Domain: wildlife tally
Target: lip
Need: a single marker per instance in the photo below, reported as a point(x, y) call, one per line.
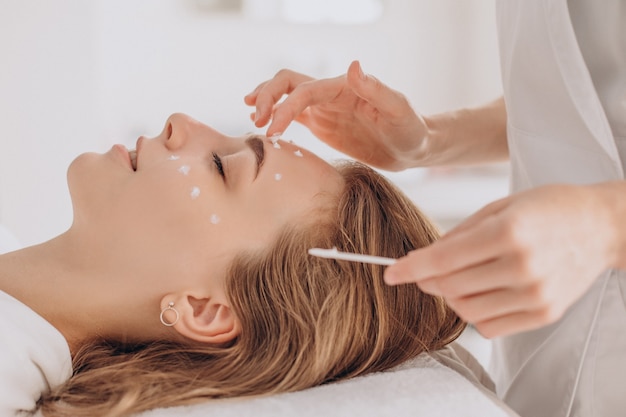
point(138, 146)
point(122, 152)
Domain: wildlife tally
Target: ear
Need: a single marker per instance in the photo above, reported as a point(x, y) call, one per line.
point(204, 319)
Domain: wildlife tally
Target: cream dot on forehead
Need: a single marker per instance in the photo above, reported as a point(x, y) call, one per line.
point(215, 219)
point(276, 145)
point(173, 158)
point(184, 169)
point(195, 192)
point(278, 176)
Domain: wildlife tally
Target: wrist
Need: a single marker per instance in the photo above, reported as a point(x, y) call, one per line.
point(466, 136)
point(433, 148)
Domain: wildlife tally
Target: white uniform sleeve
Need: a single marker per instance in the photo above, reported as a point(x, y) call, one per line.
point(457, 358)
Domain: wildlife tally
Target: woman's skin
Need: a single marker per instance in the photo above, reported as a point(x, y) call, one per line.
point(517, 264)
point(142, 239)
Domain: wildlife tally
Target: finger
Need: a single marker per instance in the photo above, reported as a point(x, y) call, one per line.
point(306, 94)
point(284, 82)
point(517, 322)
point(493, 304)
point(250, 98)
point(473, 246)
point(389, 102)
point(253, 116)
point(492, 275)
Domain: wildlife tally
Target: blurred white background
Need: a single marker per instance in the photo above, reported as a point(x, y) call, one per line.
point(79, 75)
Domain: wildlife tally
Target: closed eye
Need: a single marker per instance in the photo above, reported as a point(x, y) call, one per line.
point(218, 164)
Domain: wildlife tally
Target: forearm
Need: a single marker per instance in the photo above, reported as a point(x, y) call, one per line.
point(612, 198)
point(467, 136)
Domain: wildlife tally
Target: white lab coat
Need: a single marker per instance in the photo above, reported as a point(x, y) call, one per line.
point(559, 132)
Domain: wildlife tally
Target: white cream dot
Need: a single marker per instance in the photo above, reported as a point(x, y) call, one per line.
point(276, 145)
point(278, 177)
point(215, 219)
point(184, 169)
point(298, 153)
point(173, 158)
point(195, 192)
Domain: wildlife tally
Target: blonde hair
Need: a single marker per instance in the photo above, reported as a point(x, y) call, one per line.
point(305, 321)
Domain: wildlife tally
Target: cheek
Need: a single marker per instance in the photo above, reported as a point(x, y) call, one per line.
point(181, 207)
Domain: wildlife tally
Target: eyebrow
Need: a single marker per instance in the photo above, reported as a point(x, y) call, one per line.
point(255, 143)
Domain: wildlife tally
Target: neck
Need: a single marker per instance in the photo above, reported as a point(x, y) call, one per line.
point(83, 291)
point(47, 278)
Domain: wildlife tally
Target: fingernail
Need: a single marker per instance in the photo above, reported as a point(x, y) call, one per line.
point(362, 75)
point(274, 138)
point(257, 115)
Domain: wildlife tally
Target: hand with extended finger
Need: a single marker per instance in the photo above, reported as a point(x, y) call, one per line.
point(353, 113)
point(520, 262)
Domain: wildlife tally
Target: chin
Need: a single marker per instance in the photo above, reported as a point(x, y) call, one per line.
point(85, 180)
point(79, 169)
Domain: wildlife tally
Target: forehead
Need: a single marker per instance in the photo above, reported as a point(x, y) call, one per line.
point(291, 184)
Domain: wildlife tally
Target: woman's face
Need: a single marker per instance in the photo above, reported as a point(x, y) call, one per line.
point(195, 200)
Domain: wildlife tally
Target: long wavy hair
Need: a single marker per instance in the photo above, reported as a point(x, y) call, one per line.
point(305, 321)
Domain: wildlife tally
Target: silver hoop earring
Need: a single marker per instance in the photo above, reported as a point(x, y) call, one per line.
point(170, 307)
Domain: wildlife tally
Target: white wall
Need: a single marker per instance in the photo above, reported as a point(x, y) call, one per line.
point(47, 109)
point(80, 75)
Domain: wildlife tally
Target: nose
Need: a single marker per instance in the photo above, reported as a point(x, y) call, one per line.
point(178, 130)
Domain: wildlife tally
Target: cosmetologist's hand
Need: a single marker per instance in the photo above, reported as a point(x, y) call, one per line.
point(520, 262)
point(353, 113)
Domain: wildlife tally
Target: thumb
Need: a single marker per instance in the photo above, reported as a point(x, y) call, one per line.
point(389, 102)
point(490, 209)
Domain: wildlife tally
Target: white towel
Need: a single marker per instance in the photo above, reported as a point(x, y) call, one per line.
point(429, 385)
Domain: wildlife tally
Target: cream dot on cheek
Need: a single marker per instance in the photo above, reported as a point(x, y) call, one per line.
point(276, 145)
point(298, 153)
point(173, 158)
point(195, 193)
point(184, 169)
point(215, 219)
point(278, 176)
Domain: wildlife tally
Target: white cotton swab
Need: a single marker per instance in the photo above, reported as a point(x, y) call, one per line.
point(353, 257)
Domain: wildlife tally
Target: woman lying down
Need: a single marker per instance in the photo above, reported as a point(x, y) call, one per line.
point(185, 277)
